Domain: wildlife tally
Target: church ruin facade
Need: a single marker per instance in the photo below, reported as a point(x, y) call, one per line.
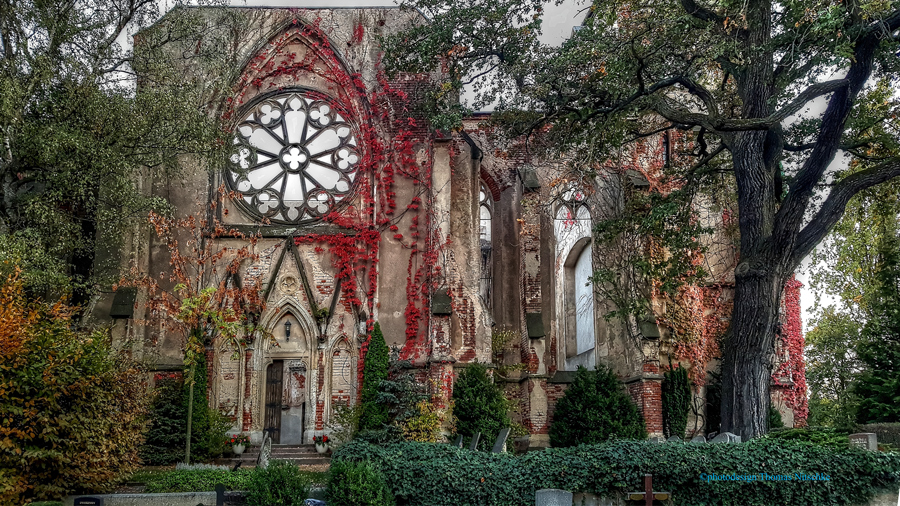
point(364, 214)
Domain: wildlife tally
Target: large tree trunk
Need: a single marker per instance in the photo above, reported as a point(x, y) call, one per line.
point(748, 354)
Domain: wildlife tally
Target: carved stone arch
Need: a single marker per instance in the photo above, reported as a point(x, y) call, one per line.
point(341, 378)
point(276, 311)
point(297, 26)
point(255, 72)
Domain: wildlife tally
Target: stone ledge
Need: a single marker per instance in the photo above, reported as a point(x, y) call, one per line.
point(173, 499)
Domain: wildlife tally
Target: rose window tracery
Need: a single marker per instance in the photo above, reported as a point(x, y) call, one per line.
point(294, 158)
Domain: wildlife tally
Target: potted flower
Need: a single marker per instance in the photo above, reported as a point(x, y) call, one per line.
point(322, 442)
point(239, 443)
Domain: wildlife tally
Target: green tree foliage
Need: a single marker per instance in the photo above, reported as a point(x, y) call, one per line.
point(164, 442)
point(730, 73)
point(676, 401)
point(165, 438)
point(280, 484)
point(375, 370)
point(878, 387)
point(831, 367)
point(479, 405)
point(77, 134)
point(357, 484)
point(72, 409)
point(595, 408)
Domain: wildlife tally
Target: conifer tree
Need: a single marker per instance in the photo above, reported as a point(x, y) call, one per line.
point(595, 408)
point(878, 388)
point(479, 405)
point(375, 370)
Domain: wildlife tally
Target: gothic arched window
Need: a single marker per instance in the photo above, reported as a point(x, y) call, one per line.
point(485, 213)
point(295, 157)
point(572, 228)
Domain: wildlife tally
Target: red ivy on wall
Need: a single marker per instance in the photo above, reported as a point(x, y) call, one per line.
point(382, 114)
point(792, 368)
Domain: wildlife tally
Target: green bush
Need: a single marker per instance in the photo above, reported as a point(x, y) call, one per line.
point(479, 405)
point(357, 484)
point(280, 484)
point(375, 370)
point(595, 408)
point(823, 436)
point(422, 474)
point(676, 401)
point(72, 409)
point(164, 443)
point(198, 481)
point(775, 422)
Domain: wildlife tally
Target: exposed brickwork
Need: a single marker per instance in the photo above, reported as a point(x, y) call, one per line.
point(491, 184)
point(647, 394)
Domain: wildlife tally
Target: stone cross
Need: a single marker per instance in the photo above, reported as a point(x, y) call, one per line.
point(864, 440)
point(265, 451)
point(552, 497)
point(500, 443)
point(475, 438)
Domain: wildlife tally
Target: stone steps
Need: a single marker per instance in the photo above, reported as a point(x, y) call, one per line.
point(301, 455)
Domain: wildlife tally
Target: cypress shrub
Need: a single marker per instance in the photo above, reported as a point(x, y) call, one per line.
point(375, 370)
point(164, 442)
point(595, 408)
point(676, 401)
point(479, 405)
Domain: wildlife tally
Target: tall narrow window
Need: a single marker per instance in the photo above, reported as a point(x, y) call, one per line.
point(484, 236)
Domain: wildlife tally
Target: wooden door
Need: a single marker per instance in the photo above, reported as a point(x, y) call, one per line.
point(274, 380)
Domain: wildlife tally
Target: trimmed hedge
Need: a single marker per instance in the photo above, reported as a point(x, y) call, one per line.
point(199, 481)
point(421, 474)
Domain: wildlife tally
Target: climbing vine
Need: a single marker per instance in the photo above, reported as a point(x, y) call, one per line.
point(375, 215)
point(792, 367)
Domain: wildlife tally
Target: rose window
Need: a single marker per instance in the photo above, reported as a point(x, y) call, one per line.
point(294, 158)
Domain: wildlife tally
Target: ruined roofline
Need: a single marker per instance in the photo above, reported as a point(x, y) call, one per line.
point(284, 8)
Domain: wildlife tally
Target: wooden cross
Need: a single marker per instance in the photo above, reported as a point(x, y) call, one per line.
point(648, 495)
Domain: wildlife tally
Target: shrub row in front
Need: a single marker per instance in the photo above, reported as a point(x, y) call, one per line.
point(432, 475)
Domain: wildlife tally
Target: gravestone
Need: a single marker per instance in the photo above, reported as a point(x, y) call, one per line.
point(552, 497)
point(459, 441)
point(864, 440)
point(726, 437)
point(673, 439)
point(88, 501)
point(475, 438)
point(220, 495)
point(657, 439)
point(265, 451)
point(698, 439)
point(500, 443)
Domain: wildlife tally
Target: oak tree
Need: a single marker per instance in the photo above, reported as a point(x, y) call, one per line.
point(743, 78)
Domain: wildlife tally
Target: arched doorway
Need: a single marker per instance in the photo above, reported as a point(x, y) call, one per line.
point(286, 396)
